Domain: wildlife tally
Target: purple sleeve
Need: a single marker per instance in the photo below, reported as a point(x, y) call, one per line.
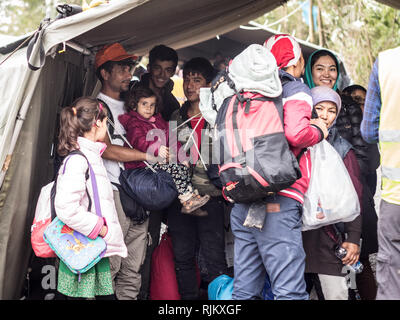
point(372, 108)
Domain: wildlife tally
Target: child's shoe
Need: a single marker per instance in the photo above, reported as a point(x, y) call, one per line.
point(195, 202)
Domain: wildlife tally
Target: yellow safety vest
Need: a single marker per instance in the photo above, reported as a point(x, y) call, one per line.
point(389, 124)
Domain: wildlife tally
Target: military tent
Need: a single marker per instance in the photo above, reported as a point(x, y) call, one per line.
point(31, 100)
point(64, 53)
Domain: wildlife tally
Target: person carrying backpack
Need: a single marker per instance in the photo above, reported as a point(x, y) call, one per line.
point(277, 248)
point(83, 126)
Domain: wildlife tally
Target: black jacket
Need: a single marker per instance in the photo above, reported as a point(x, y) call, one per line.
point(348, 124)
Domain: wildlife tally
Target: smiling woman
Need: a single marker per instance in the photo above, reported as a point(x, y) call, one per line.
point(322, 69)
point(324, 72)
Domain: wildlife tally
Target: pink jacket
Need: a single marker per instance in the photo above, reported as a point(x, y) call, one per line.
point(146, 135)
point(297, 107)
point(71, 200)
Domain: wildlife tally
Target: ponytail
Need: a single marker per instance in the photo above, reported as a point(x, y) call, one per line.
point(76, 120)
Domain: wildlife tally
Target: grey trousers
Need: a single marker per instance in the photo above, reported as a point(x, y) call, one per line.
point(388, 257)
point(125, 272)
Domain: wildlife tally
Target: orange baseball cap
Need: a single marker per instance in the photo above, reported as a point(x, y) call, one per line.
point(112, 52)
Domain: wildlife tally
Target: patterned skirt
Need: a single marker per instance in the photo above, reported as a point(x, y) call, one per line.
point(94, 282)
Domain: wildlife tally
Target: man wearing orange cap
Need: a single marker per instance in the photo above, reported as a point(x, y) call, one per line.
point(114, 69)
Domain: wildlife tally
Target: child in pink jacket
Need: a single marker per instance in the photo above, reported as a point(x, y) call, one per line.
point(83, 127)
point(148, 132)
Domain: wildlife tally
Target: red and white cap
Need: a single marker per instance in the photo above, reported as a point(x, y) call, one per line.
point(285, 49)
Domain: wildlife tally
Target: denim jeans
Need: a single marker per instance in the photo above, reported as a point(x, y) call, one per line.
point(276, 249)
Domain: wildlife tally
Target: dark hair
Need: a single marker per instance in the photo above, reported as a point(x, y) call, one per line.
point(163, 53)
point(135, 94)
point(109, 65)
point(323, 53)
point(200, 65)
point(77, 119)
point(348, 90)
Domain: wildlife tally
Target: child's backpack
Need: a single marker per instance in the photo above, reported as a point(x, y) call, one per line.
point(45, 212)
point(254, 155)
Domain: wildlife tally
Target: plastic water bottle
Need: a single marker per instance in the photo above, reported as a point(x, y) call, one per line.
point(341, 252)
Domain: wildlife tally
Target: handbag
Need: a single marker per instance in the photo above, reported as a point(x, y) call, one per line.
point(331, 196)
point(77, 251)
point(151, 189)
point(45, 212)
point(131, 208)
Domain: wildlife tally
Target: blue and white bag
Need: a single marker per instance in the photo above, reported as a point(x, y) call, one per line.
point(77, 251)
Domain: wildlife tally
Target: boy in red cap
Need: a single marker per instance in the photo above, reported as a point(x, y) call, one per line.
point(114, 69)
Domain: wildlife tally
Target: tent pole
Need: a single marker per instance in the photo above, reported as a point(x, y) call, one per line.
point(78, 48)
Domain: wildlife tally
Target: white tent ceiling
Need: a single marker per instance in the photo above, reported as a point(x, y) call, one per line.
point(143, 23)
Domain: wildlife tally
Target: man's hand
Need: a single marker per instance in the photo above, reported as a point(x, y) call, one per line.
point(320, 124)
point(353, 253)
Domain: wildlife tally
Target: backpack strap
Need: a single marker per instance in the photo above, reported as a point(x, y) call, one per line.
point(94, 183)
point(89, 173)
point(241, 159)
point(110, 128)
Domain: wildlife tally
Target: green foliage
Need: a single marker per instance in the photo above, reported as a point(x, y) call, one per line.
point(22, 16)
point(357, 29)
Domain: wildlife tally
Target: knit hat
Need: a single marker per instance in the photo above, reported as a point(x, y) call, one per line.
point(324, 93)
point(285, 49)
point(254, 69)
point(112, 52)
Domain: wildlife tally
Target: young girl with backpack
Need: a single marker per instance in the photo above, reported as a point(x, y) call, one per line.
point(83, 127)
point(147, 131)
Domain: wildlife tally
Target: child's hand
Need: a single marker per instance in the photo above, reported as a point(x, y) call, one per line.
point(163, 152)
point(103, 231)
point(186, 163)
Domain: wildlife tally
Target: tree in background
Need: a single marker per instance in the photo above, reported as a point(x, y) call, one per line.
point(19, 17)
point(357, 29)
